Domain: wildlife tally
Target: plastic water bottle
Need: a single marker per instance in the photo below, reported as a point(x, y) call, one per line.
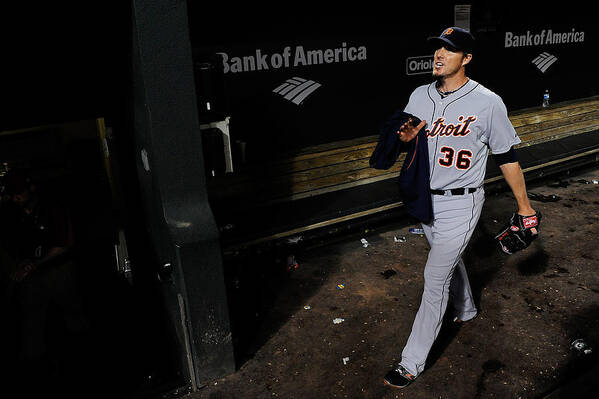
point(546, 98)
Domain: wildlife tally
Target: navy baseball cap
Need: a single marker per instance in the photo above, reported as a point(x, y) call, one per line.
point(458, 38)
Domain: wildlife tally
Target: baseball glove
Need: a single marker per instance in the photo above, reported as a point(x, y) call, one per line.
point(518, 235)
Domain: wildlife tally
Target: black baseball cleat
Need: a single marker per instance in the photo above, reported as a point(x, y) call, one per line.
point(398, 377)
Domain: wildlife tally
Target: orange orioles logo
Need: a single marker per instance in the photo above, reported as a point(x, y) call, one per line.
point(460, 129)
point(448, 32)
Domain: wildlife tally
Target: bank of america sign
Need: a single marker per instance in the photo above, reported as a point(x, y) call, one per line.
point(296, 89)
point(544, 61)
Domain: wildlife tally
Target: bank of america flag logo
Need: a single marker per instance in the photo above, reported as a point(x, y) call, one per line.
point(544, 61)
point(296, 89)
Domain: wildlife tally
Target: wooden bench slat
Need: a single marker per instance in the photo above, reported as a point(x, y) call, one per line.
point(308, 180)
point(359, 152)
point(549, 124)
point(345, 179)
point(300, 170)
point(558, 133)
point(308, 152)
point(394, 173)
point(556, 115)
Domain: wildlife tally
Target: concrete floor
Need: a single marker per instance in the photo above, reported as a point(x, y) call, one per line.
point(532, 306)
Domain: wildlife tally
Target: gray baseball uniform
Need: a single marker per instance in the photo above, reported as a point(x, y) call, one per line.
point(461, 128)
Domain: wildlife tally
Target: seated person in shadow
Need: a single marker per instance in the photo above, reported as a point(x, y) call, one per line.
point(38, 258)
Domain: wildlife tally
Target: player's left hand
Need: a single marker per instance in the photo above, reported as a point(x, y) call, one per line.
point(520, 233)
point(533, 230)
point(408, 131)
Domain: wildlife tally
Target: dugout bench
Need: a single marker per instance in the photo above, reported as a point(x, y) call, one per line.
point(324, 186)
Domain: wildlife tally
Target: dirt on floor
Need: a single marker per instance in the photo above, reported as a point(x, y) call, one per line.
point(532, 306)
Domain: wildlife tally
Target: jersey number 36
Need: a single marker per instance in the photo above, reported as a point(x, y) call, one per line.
point(462, 160)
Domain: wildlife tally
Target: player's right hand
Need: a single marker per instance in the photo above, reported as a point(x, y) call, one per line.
point(407, 131)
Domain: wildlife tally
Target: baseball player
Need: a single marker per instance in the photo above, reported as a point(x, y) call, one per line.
point(463, 121)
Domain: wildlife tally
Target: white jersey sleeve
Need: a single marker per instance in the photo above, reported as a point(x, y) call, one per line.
point(415, 106)
point(501, 135)
point(410, 106)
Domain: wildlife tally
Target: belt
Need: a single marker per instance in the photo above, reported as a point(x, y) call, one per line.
point(454, 191)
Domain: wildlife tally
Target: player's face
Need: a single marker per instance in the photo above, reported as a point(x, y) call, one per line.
point(448, 62)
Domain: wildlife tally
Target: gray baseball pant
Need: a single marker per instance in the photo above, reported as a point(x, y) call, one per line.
point(455, 218)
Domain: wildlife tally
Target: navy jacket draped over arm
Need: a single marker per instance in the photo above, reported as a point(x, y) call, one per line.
point(414, 176)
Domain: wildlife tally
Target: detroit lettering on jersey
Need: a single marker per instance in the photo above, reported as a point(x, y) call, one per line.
point(462, 128)
point(439, 127)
